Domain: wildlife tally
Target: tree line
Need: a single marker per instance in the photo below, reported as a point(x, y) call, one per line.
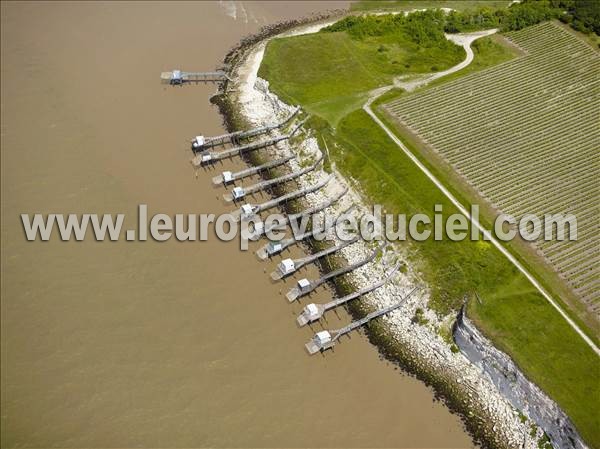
point(427, 28)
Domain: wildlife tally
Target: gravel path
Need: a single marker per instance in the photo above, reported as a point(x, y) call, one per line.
point(464, 40)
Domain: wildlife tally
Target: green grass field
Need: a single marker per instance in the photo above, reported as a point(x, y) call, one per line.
point(342, 70)
point(330, 76)
point(452, 269)
point(346, 69)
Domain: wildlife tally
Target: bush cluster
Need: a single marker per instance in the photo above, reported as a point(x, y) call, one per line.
point(427, 28)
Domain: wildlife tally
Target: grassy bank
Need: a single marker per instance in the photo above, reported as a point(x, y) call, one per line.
point(342, 70)
point(330, 76)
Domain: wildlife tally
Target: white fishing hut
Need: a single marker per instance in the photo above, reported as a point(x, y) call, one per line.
point(247, 211)
point(176, 77)
point(303, 284)
point(238, 193)
point(227, 177)
point(198, 143)
point(286, 266)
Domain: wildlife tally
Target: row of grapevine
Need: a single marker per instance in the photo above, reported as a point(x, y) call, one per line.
point(525, 135)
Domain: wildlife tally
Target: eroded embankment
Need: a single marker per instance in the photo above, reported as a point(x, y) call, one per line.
point(515, 387)
point(414, 336)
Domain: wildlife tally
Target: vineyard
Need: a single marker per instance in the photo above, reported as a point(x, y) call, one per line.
point(525, 135)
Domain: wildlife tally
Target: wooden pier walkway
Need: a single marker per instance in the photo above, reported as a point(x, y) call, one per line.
point(299, 216)
point(289, 266)
point(272, 248)
point(314, 312)
point(248, 211)
point(319, 207)
point(178, 77)
point(240, 192)
point(207, 158)
point(201, 143)
point(327, 339)
point(228, 177)
point(307, 287)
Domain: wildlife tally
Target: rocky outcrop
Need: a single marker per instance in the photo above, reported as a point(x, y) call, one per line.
point(514, 386)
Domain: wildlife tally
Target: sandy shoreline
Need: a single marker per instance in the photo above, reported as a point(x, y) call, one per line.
point(466, 387)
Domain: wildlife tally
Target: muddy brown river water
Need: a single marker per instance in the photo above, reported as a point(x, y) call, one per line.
point(132, 344)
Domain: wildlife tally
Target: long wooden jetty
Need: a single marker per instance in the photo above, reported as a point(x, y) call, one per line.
point(314, 312)
point(178, 77)
point(306, 287)
point(275, 247)
point(207, 158)
point(327, 339)
point(298, 216)
point(288, 266)
point(201, 143)
point(228, 177)
point(240, 192)
point(248, 211)
point(319, 207)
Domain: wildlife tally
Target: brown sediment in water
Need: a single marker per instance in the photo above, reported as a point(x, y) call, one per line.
point(157, 344)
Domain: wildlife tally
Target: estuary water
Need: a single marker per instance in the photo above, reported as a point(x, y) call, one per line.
point(149, 344)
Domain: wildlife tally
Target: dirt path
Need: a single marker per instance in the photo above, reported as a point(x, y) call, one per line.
point(464, 40)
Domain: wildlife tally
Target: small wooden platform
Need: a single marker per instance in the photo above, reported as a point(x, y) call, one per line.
point(177, 77)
